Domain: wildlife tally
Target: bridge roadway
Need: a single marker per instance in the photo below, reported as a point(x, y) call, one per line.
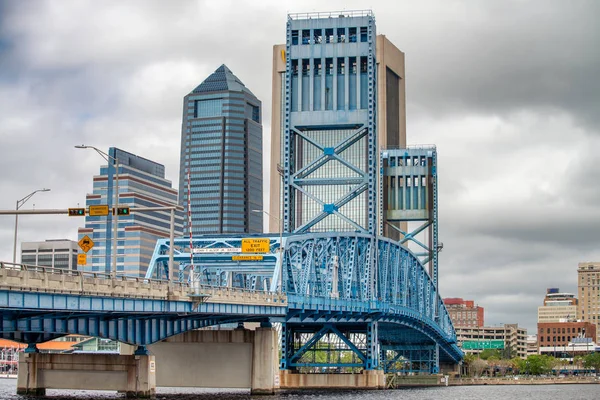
point(39, 304)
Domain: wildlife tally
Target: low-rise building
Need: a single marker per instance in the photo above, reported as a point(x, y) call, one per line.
point(464, 313)
point(562, 333)
point(532, 345)
point(54, 253)
point(510, 339)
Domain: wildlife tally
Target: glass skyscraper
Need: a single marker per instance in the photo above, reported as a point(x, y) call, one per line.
point(142, 183)
point(221, 155)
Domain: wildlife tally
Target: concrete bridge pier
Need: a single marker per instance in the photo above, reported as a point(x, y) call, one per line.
point(132, 374)
point(238, 358)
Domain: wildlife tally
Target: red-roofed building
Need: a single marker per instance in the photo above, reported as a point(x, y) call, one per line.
point(464, 313)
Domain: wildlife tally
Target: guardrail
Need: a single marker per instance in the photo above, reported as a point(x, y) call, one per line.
point(33, 278)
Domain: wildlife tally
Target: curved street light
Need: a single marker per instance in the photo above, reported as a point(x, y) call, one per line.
point(20, 203)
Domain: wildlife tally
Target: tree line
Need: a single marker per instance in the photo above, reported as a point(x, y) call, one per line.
point(490, 362)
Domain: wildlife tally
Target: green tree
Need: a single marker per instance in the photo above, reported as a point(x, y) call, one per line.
point(592, 361)
point(488, 353)
point(517, 364)
point(539, 364)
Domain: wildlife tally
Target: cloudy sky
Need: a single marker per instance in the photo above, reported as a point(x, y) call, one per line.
point(507, 90)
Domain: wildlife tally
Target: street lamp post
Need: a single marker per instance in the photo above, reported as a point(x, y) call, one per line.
point(107, 157)
point(281, 249)
point(20, 203)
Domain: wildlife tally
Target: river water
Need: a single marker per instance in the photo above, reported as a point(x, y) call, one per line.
point(514, 392)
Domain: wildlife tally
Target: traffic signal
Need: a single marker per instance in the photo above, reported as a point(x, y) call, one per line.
point(122, 210)
point(76, 212)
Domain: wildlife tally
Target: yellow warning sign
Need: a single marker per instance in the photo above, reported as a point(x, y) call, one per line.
point(256, 245)
point(246, 258)
point(98, 211)
point(86, 243)
point(81, 259)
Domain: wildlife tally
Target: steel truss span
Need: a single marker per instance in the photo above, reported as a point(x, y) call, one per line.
point(337, 278)
point(355, 285)
point(349, 301)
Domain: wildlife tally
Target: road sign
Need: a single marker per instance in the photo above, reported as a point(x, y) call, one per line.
point(81, 259)
point(218, 250)
point(482, 344)
point(246, 258)
point(86, 243)
point(255, 245)
point(99, 210)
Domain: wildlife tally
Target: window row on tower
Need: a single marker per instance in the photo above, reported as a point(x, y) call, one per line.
point(339, 83)
point(330, 35)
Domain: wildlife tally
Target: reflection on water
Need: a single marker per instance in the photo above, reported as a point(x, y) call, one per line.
point(8, 389)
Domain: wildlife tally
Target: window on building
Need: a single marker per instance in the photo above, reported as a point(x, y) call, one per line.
point(352, 35)
point(363, 33)
point(294, 37)
point(318, 36)
point(341, 35)
point(305, 36)
point(329, 35)
point(208, 108)
point(341, 66)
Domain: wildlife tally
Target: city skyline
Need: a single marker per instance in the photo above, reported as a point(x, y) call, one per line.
point(506, 92)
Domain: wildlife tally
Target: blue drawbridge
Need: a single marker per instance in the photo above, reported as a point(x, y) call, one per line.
point(354, 301)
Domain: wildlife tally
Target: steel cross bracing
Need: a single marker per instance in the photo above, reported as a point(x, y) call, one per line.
point(214, 265)
point(408, 193)
point(330, 278)
point(332, 146)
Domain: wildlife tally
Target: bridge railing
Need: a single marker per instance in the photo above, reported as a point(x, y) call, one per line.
point(23, 277)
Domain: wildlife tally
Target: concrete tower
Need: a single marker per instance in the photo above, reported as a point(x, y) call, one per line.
point(338, 97)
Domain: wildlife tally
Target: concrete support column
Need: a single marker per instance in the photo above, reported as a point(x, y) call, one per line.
point(265, 372)
point(133, 375)
point(28, 377)
point(141, 380)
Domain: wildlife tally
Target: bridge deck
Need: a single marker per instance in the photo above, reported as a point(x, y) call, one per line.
point(51, 280)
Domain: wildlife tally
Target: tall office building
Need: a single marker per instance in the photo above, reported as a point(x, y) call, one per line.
point(588, 282)
point(221, 152)
point(55, 253)
point(558, 307)
point(338, 98)
point(142, 184)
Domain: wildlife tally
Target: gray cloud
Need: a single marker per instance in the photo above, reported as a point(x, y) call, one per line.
point(506, 90)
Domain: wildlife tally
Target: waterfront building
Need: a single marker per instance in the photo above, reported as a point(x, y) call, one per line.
point(338, 98)
point(576, 347)
point(55, 253)
point(557, 306)
point(142, 183)
point(532, 345)
point(508, 338)
point(464, 312)
point(563, 332)
point(588, 283)
point(221, 155)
